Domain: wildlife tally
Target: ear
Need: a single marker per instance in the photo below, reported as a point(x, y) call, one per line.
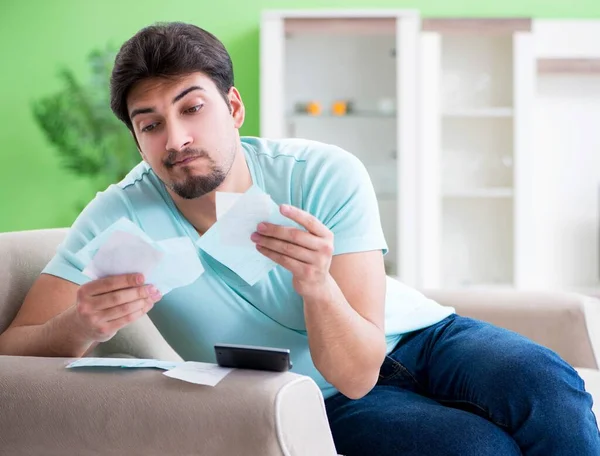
point(238, 111)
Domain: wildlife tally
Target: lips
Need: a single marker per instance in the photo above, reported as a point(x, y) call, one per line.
point(185, 161)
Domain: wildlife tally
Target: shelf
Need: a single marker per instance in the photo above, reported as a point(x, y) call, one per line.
point(568, 66)
point(479, 113)
point(356, 115)
point(498, 192)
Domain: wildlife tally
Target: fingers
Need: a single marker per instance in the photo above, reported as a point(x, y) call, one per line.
point(119, 297)
point(112, 283)
point(283, 247)
point(125, 311)
point(288, 234)
point(103, 315)
point(123, 321)
point(289, 263)
point(109, 306)
point(109, 328)
point(303, 218)
point(106, 305)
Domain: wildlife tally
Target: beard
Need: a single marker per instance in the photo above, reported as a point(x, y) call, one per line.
point(191, 186)
point(197, 186)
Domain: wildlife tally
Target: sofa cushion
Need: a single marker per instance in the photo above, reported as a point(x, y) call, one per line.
point(591, 377)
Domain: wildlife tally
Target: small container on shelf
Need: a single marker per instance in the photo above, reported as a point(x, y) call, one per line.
point(312, 108)
point(342, 107)
point(386, 106)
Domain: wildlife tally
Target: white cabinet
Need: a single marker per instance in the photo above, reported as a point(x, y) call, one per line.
point(509, 181)
point(350, 78)
point(480, 135)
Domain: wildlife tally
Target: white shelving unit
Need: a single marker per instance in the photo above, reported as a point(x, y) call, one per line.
point(481, 136)
point(368, 58)
point(480, 113)
point(476, 98)
point(567, 154)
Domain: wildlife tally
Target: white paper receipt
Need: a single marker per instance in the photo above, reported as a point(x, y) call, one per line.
point(200, 373)
point(123, 253)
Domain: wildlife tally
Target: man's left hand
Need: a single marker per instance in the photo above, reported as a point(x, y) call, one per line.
point(306, 254)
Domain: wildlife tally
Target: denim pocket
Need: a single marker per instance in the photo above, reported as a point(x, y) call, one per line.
point(389, 369)
point(394, 373)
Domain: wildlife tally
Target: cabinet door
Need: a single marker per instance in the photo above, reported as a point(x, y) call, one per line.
point(567, 154)
point(475, 97)
point(350, 79)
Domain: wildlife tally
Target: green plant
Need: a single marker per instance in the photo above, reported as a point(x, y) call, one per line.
point(79, 123)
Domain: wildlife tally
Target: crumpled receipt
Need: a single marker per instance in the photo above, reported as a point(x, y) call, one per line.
point(123, 248)
point(228, 241)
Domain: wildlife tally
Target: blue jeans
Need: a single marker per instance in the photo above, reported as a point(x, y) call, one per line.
point(464, 387)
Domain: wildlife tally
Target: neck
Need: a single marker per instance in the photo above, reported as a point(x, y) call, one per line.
point(201, 212)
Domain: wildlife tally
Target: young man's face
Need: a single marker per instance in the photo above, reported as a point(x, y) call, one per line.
point(186, 131)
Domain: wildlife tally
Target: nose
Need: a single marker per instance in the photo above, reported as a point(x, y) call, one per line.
point(177, 137)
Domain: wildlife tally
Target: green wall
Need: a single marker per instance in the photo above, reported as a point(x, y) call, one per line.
point(38, 36)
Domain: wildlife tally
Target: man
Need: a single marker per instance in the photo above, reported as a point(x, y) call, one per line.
point(401, 374)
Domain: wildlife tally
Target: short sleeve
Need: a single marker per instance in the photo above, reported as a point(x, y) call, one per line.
point(104, 210)
point(339, 192)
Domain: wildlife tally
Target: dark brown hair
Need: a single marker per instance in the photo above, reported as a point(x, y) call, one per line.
point(167, 50)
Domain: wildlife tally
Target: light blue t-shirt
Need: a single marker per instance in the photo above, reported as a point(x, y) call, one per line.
point(219, 307)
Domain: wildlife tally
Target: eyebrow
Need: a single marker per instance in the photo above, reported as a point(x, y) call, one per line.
point(135, 112)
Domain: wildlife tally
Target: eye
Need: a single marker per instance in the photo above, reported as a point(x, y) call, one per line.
point(194, 109)
point(150, 127)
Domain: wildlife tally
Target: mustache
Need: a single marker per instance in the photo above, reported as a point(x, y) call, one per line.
point(175, 157)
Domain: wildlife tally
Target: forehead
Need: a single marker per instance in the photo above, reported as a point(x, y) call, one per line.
point(148, 91)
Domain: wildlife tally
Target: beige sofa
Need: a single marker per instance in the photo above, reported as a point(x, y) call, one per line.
point(47, 410)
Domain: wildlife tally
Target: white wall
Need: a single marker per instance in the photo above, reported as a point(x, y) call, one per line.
point(567, 180)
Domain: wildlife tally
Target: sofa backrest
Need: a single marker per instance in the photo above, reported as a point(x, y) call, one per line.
point(24, 254)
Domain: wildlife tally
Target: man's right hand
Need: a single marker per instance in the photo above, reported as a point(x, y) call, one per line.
point(106, 305)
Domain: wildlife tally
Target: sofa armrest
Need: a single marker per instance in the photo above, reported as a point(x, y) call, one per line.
point(568, 323)
point(48, 409)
